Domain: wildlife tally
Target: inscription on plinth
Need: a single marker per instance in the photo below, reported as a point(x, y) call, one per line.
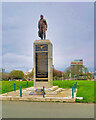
point(42, 65)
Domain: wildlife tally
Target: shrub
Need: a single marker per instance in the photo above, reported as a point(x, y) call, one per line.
point(16, 74)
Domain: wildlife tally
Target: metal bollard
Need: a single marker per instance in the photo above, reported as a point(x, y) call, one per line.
point(72, 92)
point(76, 84)
point(20, 91)
point(14, 87)
point(27, 84)
point(74, 87)
point(43, 92)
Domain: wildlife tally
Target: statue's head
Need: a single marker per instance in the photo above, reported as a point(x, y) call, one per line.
point(41, 16)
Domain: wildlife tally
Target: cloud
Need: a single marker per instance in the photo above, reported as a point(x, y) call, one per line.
point(15, 61)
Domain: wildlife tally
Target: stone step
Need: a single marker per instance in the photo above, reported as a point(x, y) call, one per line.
point(58, 90)
point(30, 88)
point(51, 89)
point(54, 87)
point(53, 92)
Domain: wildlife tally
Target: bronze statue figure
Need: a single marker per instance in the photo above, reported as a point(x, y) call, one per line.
point(42, 25)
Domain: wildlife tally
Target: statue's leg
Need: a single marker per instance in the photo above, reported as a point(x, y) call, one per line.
point(44, 34)
point(41, 34)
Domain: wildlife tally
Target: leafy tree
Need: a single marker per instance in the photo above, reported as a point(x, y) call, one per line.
point(4, 76)
point(78, 72)
point(30, 74)
point(57, 74)
point(16, 74)
point(90, 76)
point(67, 73)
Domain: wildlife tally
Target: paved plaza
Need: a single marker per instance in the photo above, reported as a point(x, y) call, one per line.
point(51, 94)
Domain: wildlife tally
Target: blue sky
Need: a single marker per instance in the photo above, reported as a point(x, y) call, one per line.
point(70, 29)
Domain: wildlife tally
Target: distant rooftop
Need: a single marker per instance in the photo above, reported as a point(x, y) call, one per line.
point(78, 60)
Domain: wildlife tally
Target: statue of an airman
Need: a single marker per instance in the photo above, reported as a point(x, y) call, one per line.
point(42, 25)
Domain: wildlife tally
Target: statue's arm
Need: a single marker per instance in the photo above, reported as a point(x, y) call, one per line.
point(46, 24)
point(39, 24)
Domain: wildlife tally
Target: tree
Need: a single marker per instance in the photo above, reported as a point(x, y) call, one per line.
point(30, 74)
point(4, 76)
point(57, 74)
point(89, 75)
point(78, 72)
point(16, 74)
point(67, 73)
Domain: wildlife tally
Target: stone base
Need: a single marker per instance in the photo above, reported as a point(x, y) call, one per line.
point(41, 84)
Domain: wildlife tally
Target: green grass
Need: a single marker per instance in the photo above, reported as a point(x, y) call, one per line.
point(85, 89)
point(8, 86)
point(64, 84)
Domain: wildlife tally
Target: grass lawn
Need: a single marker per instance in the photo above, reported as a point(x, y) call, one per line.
point(8, 86)
point(85, 88)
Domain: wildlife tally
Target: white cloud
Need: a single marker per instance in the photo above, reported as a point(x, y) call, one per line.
point(14, 61)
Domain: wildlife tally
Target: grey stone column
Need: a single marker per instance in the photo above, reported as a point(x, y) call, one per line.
point(43, 63)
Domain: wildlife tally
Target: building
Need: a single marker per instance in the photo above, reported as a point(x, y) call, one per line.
point(2, 70)
point(76, 68)
point(77, 62)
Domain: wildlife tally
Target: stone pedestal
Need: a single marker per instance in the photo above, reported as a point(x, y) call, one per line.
point(43, 65)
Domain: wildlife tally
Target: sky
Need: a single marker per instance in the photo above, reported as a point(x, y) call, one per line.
point(70, 29)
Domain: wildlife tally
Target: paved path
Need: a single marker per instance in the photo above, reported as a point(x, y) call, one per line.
point(12, 109)
point(53, 95)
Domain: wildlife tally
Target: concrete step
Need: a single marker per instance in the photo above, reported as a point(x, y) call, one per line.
point(51, 89)
point(53, 92)
point(54, 87)
point(30, 88)
point(58, 90)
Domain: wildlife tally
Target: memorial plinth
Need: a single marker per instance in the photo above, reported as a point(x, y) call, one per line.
point(43, 62)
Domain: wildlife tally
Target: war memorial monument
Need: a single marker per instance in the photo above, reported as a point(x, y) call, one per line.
point(43, 57)
point(43, 74)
